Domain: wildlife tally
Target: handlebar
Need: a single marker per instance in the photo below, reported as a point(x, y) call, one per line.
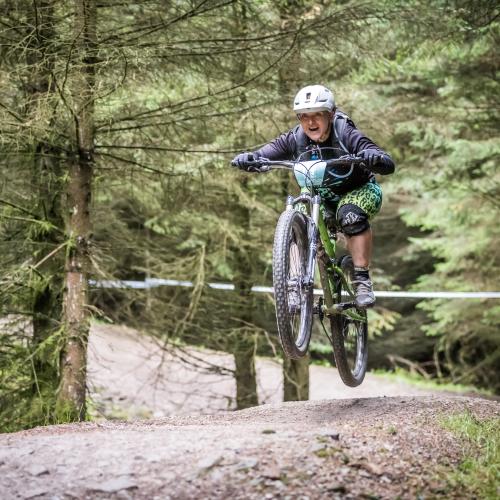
point(264, 165)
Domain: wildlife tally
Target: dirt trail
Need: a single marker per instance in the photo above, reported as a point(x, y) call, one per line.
point(344, 444)
point(133, 376)
point(356, 448)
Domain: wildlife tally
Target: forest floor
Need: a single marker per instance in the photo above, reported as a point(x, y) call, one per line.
point(353, 447)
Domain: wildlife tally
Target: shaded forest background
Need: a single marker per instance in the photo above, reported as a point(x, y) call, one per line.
point(118, 122)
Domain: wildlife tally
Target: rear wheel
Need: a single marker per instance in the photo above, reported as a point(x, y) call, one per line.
point(293, 297)
point(349, 336)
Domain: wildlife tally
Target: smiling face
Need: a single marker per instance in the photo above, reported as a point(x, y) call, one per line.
point(316, 125)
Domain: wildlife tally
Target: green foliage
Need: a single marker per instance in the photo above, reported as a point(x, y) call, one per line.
point(28, 394)
point(176, 96)
point(479, 470)
point(66, 411)
point(441, 96)
point(381, 320)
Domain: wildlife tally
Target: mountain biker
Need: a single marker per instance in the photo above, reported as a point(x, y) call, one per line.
point(349, 202)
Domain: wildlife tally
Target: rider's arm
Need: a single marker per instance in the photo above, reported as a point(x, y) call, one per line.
point(356, 142)
point(282, 148)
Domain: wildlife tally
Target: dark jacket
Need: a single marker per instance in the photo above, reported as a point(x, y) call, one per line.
point(289, 145)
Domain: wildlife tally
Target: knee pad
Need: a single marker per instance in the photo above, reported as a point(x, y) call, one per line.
point(352, 219)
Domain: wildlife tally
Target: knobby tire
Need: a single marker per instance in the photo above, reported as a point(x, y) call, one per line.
point(290, 254)
point(349, 337)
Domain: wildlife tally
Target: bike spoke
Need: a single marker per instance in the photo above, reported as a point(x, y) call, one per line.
point(293, 287)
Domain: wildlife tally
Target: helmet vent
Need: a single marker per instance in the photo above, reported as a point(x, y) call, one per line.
point(313, 98)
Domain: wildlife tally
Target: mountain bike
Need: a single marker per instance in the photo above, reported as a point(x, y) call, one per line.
point(302, 240)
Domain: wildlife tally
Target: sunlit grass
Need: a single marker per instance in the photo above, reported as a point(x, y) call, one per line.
point(402, 375)
point(479, 471)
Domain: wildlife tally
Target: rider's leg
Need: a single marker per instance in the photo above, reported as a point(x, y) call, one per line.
point(353, 214)
point(355, 226)
point(360, 247)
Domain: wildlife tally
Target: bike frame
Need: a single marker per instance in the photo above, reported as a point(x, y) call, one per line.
point(329, 270)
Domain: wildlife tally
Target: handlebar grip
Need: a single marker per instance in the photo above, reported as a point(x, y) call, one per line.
point(344, 162)
point(259, 165)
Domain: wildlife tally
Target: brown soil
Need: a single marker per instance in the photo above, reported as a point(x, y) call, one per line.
point(356, 448)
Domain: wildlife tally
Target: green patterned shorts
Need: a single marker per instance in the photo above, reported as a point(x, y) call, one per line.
point(367, 197)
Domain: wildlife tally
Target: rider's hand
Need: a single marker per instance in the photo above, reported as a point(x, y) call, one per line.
point(377, 162)
point(247, 161)
point(371, 157)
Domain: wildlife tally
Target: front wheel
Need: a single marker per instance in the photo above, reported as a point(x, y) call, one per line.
point(349, 335)
point(292, 294)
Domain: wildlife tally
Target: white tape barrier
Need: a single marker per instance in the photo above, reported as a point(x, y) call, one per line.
point(155, 282)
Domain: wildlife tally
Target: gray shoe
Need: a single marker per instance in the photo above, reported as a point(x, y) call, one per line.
point(364, 293)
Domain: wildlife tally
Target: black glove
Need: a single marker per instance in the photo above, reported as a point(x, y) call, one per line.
point(247, 161)
point(371, 157)
point(378, 162)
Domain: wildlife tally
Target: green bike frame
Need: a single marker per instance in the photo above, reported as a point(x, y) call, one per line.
point(328, 267)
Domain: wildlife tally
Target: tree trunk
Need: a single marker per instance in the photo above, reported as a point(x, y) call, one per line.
point(244, 346)
point(246, 385)
point(296, 379)
point(71, 399)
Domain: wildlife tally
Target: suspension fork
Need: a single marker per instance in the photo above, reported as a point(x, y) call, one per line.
point(313, 236)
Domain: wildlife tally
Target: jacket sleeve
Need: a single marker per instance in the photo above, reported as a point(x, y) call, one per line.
point(282, 148)
point(355, 142)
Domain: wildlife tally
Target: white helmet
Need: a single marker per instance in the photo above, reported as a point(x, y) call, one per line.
point(313, 98)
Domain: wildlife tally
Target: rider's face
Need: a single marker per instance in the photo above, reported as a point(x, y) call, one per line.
point(316, 125)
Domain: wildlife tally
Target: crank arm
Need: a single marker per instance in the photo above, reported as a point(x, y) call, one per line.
point(338, 308)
